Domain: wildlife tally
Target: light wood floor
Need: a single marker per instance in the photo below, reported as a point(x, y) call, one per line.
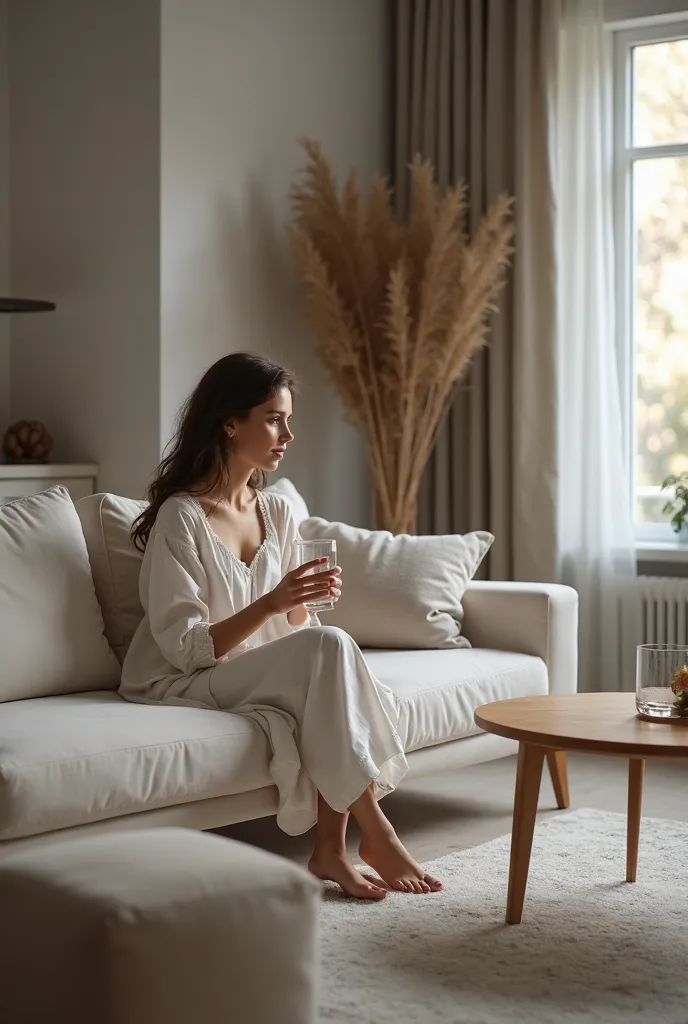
point(436, 815)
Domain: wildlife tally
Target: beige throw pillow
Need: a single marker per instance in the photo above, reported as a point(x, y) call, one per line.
point(51, 628)
point(401, 592)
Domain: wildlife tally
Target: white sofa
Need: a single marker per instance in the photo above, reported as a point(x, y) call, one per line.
point(76, 758)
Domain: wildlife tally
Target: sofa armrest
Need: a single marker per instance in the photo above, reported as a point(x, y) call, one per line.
point(530, 618)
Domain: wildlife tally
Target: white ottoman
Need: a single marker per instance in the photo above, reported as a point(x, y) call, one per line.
point(167, 926)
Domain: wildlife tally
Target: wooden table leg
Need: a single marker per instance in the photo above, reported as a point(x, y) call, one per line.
point(636, 772)
point(528, 776)
point(556, 761)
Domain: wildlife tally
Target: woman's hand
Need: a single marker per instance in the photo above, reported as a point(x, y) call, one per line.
point(296, 588)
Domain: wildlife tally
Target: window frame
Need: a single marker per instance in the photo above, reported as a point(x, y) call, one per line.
point(660, 30)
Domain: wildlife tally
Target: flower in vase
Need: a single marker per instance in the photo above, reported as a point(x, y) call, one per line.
point(681, 705)
point(679, 685)
point(679, 681)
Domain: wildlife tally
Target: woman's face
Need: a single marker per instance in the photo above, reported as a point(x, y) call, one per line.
point(260, 441)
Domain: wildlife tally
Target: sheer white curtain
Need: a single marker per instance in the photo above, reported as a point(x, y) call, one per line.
point(595, 529)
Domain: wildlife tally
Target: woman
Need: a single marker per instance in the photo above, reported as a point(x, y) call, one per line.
point(224, 626)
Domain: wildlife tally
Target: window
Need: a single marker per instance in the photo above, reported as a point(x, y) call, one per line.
point(651, 216)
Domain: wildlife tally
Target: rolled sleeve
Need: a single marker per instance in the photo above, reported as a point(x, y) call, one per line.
point(177, 603)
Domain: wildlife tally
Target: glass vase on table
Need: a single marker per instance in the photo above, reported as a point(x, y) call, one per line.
point(662, 682)
point(306, 551)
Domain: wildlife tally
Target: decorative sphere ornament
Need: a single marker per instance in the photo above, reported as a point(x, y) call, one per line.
point(27, 441)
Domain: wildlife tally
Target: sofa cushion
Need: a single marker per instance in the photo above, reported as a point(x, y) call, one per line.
point(404, 591)
point(51, 627)
point(441, 689)
point(82, 758)
point(85, 757)
point(299, 508)
point(106, 521)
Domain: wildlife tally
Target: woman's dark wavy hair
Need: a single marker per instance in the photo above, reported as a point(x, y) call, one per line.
point(197, 455)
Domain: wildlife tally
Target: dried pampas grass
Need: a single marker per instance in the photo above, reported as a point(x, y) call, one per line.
point(399, 308)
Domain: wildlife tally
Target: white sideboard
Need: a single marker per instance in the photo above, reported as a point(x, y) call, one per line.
point(19, 480)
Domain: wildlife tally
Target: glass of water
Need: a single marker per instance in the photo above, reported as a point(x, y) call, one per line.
point(306, 551)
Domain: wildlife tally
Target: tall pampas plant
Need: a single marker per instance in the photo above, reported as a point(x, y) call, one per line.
point(399, 307)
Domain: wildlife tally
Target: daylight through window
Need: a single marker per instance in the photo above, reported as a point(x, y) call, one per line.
point(652, 257)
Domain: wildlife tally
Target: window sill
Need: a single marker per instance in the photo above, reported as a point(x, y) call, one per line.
point(661, 551)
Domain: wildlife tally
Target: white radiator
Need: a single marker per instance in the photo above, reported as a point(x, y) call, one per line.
point(664, 609)
point(653, 610)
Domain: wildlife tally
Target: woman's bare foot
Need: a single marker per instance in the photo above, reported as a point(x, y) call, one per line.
point(333, 866)
point(395, 865)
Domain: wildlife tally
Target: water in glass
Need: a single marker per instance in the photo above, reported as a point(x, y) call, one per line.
point(307, 550)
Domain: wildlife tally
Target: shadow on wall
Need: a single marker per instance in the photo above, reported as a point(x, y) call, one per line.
point(326, 461)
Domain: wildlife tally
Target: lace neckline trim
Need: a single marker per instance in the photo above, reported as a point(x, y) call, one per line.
point(267, 531)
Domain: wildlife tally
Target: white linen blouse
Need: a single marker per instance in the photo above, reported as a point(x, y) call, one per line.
point(190, 579)
point(332, 727)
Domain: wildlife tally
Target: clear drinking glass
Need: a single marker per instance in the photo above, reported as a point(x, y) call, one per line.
point(306, 551)
point(662, 681)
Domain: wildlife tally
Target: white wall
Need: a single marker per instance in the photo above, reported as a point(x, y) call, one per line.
point(241, 82)
point(153, 146)
point(631, 10)
point(4, 217)
point(85, 189)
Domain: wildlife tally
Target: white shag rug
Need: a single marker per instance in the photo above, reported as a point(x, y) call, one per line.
point(590, 947)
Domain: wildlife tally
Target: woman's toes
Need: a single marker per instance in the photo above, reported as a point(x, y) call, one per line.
point(376, 892)
point(396, 867)
point(434, 883)
point(335, 867)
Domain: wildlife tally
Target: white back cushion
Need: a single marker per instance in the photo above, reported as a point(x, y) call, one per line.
point(51, 627)
point(299, 508)
point(107, 520)
point(404, 591)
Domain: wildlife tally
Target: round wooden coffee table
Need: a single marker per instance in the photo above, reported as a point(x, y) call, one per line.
point(592, 723)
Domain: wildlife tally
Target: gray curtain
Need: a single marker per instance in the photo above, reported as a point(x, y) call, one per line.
point(473, 91)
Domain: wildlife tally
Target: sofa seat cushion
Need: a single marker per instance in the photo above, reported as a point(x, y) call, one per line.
point(85, 757)
point(80, 758)
point(440, 690)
